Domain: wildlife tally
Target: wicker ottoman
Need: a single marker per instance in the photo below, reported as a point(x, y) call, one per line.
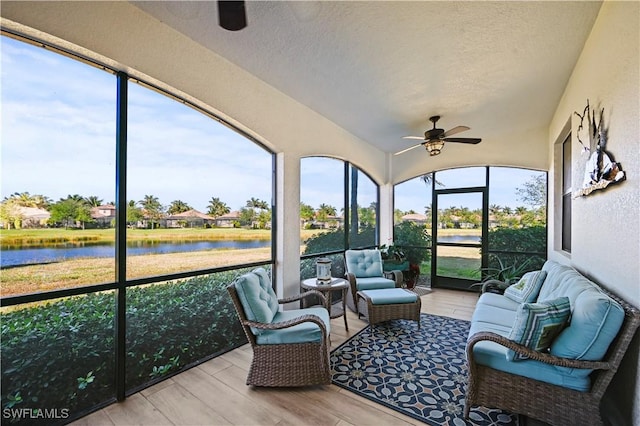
point(390, 303)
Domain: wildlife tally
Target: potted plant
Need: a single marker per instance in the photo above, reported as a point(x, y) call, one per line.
point(391, 253)
point(415, 243)
point(497, 279)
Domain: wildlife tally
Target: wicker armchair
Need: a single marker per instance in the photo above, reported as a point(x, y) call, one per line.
point(364, 271)
point(552, 404)
point(283, 356)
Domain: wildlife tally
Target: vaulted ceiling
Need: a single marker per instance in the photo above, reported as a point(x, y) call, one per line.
point(379, 69)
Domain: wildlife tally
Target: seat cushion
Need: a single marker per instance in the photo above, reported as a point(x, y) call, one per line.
point(374, 283)
point(301, 333)
point(257, 298)
point(526, 290)
point(364, 263)
point(537, 324)
point(495, 356)
point(390, 296)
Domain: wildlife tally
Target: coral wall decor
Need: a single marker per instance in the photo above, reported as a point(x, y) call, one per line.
point(600, 170)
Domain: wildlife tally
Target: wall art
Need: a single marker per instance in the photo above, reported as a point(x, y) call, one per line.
point(600, 170)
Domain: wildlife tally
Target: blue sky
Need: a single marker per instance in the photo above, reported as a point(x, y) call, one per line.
point(58, 138)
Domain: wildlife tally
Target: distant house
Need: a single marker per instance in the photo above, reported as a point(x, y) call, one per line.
point(33, 217)
point(228, 220)
point(103, 215)
point(417, 218)
point(189, 219)
point(330, 222)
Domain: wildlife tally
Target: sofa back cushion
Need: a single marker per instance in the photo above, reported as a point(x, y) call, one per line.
point(364, 263)
point(595, 317)
point(259, 301)
point(537, 324)
point(526, 290)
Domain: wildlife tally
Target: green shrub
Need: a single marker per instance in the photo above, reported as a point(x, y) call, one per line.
point(531, 239)
point(61, 355)
point(414, 240)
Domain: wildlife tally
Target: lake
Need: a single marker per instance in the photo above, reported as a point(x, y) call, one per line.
point(55, 253)
point(11, 257)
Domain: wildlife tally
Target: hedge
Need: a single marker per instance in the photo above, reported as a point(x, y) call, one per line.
point(61, 355)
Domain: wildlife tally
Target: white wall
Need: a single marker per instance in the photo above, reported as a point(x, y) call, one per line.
point(606, 224)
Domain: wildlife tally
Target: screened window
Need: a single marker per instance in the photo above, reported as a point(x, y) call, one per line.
point(514, 228)
point(363, 209)
point(58, 175)
point(198, 213)
point(194, 203)
point(338, 210)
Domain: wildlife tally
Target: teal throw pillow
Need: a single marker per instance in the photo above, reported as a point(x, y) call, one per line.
point(526, 290)
point(537, 324)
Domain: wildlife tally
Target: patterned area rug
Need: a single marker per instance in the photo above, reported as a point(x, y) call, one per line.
point(420, 373)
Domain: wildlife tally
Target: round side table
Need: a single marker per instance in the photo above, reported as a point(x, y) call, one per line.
point(336, 310)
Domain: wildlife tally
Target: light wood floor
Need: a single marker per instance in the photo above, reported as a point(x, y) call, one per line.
point(215, 393)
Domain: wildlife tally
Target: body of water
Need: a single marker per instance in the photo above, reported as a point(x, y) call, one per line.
point(33, 255)
point(459, 239)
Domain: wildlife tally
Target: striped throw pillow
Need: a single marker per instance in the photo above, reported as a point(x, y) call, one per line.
point(537, 325)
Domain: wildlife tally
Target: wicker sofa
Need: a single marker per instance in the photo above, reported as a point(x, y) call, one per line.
point(563, 384)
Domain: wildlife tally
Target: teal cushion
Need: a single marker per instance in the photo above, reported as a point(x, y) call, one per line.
point(595, 319)
point(257, 298)
point(391, 296)
point(494, 355)
point(301, 333)
point(374, 283)
point(527, 288)
point(364, 263)
point(502, 315)
point(537, 324)
point(595, 322)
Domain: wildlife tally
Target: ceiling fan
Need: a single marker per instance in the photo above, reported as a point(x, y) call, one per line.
point(434, 139)
point(232, 15)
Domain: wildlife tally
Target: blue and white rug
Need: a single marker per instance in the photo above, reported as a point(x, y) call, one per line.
point(421, 373)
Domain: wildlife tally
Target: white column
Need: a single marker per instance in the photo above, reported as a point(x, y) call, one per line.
point(288, 221)
point(386, 213)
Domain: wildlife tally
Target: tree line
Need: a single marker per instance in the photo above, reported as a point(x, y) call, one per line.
point(76, 209)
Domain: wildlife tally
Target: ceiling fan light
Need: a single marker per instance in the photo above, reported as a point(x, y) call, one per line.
point(434, 147)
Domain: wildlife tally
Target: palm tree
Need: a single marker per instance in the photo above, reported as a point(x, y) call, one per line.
point(24, 199)
point(41, 201)
point(325, 210)
point(152, 208)
point(306, 212)
point(93, 201)
point(134, 214)
point(217, 207)
point(253, 203)
point(178, 206)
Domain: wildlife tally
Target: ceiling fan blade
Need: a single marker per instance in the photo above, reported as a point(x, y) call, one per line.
point(463, 140)
point(418, 138)
point(232, 15)
point(456, 130)
point(408, 149)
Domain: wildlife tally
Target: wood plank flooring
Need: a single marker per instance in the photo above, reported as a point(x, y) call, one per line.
point(215, 393)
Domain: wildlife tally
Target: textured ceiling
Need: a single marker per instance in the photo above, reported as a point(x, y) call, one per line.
point(380, 69)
